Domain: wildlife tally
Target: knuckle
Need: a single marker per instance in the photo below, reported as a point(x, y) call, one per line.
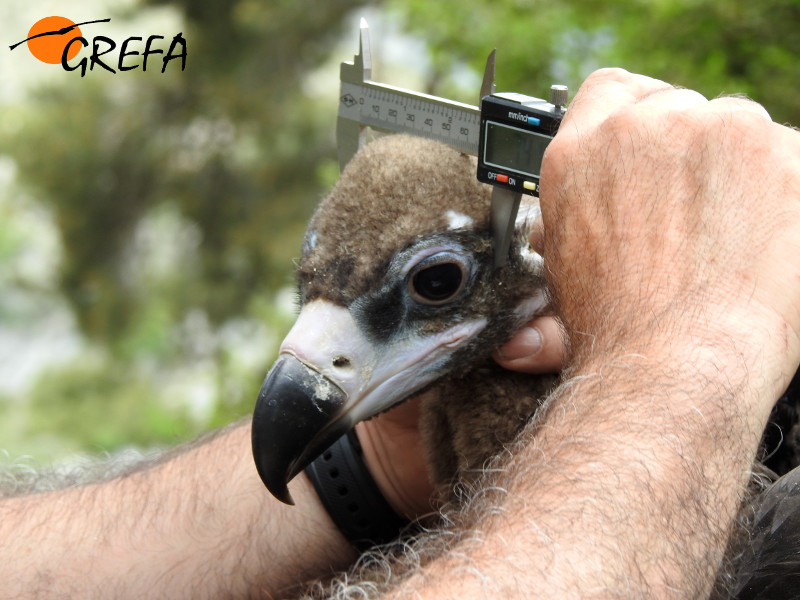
point(609, 74)
point(740, 102)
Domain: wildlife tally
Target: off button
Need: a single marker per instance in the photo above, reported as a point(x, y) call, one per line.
point(502, 178)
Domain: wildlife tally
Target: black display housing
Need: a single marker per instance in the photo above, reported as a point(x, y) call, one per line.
point(515, 131)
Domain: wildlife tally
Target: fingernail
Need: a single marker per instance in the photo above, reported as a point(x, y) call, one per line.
point(526, 342)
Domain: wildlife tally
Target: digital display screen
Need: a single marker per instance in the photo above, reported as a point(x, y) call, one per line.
point(514, 149)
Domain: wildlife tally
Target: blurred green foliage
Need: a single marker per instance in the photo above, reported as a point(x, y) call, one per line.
point(232, 141)
point(180, 199)
point(713, 46)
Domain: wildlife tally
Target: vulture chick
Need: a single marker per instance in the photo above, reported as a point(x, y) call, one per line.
point(398, 294)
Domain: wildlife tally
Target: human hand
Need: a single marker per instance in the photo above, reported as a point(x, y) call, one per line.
point(679, 297)
point(394, 454)
point(539, 347)
point(672, 225)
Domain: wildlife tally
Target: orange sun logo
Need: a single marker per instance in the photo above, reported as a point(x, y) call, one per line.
point(49, 36)
point(58, 40)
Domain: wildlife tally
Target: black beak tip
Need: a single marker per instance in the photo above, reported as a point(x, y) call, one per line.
point(291, 422)
point(279, 488)
point(282, 494)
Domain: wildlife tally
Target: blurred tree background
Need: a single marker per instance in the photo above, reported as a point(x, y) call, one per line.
point(148, 221)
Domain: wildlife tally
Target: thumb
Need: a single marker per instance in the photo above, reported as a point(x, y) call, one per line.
point(539, 347)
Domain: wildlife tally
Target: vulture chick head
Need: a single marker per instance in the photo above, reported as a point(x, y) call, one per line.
point(399, 295)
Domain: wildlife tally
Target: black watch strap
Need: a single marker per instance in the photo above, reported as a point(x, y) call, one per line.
point(351, 496)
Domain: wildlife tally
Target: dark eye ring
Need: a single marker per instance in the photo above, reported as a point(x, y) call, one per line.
point(437, 281)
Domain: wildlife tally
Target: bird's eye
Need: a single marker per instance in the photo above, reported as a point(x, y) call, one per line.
point(437, 281)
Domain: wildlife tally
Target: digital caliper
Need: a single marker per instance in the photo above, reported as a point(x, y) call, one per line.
point(508, 133)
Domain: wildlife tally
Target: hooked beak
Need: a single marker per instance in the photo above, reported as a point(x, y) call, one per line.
point(293, 422)
point(329, 377)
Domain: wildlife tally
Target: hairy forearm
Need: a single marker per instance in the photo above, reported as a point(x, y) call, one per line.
point(683, 330)
point(615, 492)
point(199, 525)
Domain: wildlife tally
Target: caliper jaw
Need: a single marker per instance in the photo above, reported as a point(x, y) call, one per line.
point(349, 133)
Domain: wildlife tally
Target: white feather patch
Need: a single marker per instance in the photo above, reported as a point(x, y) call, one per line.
point(312, 240)
point(529, 307)
point(456, 220)
point(528, 213)
point(532, 258)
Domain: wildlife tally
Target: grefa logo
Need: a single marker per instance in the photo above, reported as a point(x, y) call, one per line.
point(55, 40)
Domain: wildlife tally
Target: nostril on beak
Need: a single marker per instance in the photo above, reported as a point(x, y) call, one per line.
point(341, 362)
